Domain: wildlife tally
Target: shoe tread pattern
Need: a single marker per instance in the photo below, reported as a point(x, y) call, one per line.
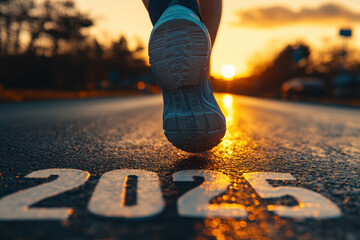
point(179, 51)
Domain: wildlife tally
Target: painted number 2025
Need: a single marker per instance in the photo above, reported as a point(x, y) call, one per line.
point(108, 199)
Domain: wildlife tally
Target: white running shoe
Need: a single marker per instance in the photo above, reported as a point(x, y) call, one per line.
point(179, 51)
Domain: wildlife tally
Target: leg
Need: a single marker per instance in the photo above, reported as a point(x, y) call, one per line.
point(146, 3)
point(211, 14)
point(157, 7)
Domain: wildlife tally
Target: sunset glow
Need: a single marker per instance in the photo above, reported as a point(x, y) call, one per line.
point(248, 31)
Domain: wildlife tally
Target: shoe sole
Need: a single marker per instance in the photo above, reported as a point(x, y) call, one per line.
point(179, 51)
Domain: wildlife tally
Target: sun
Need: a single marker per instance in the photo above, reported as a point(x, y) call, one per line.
point(228, 71)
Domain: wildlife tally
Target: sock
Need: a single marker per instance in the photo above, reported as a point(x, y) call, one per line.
point(157, 7)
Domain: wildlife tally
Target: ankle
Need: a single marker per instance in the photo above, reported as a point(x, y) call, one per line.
point(157, 7)
point(146, 3)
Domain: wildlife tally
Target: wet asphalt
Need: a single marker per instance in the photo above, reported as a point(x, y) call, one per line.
point(317, 144)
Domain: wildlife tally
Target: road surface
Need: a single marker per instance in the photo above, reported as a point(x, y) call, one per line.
point(102, 169)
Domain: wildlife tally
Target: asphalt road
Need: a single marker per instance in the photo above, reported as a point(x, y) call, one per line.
point(102, 169)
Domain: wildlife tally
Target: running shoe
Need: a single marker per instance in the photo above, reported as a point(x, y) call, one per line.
point(179, 51)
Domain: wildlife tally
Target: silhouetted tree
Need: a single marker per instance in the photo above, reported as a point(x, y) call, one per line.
point(292, 61)
point(65, 23)
point(58, 21)
point(14, 14)
point(59, 54)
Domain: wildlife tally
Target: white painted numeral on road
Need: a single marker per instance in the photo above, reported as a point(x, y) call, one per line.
point(108, 199)
point(196, 203)
point(17, 205)
point(311, 204)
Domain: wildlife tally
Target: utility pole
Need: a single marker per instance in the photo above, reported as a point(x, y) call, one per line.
point(346, 35)
point(343, 79)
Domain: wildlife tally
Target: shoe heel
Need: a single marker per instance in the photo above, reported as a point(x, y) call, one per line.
point(192, 125)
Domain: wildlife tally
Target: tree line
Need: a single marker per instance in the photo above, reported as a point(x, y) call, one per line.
point(47, 45)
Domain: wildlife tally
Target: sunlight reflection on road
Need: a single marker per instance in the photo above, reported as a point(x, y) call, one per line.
point(228, 109)
point(227, 105)
point(237, 144)
point(234, 138)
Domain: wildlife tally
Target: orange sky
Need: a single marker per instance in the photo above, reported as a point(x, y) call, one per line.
point(238, 41)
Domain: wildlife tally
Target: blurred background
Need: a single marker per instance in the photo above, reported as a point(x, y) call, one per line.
point(300, 49)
